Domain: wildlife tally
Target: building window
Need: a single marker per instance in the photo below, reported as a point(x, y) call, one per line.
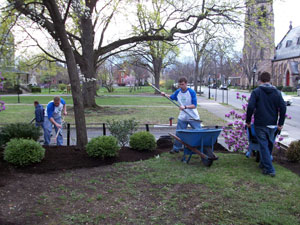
point(288, 43)
point(298, 41)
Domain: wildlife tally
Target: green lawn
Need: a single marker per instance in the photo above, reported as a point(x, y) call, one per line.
point(150, 115)
point(165, 191)
point(102, 100)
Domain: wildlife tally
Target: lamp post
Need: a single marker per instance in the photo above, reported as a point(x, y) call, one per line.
point(254, 72)
point(209, 87)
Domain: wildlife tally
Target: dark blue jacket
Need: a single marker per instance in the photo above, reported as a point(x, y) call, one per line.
point(39, 113)
point(267, 104)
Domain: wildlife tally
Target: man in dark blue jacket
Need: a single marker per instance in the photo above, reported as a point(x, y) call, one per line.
point(269, 108)
point(39, 114)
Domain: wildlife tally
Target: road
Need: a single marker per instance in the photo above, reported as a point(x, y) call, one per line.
point(292, 126)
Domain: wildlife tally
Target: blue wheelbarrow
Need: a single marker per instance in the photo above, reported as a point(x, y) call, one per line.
point(200, 142)
point(253, 147)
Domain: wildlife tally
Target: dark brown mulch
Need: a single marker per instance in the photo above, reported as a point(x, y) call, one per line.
point(70, 157)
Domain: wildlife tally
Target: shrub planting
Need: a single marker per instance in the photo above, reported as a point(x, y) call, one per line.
point(19, 130)
point(293, 151)
point(235, 133)
point(142, 141)
point(23, 152)
point(103, 146)
point(122, 130)
point(35, 89)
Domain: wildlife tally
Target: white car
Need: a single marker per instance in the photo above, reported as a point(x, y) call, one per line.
point(287, 98)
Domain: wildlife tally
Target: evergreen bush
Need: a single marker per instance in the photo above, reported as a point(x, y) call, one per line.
point(169, 84)
point(19, 130)
point(35, 89)
point(23, 152)
point(122, 129)
point(103, 146)
point(293, 151)
point(142, 140)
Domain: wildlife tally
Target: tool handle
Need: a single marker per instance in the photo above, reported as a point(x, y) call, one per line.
point(175, 103)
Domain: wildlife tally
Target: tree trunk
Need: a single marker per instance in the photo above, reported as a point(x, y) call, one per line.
point(157, 65)
point(88, 63)
point(196, 75)
point(65, 46)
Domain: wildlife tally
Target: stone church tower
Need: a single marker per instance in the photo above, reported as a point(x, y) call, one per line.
point(259, 47)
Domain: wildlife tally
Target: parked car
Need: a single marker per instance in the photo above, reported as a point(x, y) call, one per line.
point(287, 98)
point(223, 87)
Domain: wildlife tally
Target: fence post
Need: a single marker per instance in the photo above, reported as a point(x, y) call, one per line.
point(147, 127)
point(68, 134)
point(104, 130)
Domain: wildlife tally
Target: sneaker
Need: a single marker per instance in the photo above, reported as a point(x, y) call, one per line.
point(267, 173)
point(173, 151)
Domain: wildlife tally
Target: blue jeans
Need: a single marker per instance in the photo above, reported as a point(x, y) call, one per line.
point(265, 138)
point(48, 131)
point(181, 125)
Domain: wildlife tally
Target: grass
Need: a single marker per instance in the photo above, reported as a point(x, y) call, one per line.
point(165, 191)
point(151, 110)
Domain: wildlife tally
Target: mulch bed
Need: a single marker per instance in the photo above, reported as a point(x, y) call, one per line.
point(61, 158)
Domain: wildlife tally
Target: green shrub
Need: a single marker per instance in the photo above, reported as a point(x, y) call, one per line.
point(23, 152)
point(122, 130)
point(169, 84)
point(142, 140)
point(293, 151)
point(103, 146)
point(35, 89)
point(62, 87)
point(287, 89)
point(19, 130)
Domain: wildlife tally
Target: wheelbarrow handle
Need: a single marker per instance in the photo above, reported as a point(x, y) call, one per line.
point(175, 104)
point(193, 149)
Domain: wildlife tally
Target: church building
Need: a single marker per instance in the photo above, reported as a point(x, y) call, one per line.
point(286, 62)
point(259, 52)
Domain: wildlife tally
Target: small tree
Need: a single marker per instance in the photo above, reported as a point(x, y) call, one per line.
point(122, 129)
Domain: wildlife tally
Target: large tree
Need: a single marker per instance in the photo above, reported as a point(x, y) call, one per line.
point(80, 29)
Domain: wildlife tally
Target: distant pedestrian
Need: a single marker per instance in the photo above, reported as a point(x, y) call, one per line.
point(187, 99)
point(269, 108)
point(53, 117)
point(39, 114)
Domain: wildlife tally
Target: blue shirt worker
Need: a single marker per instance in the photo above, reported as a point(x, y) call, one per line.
point(269, 108)
point(39, 114)
point(53, 117)
point(187, 99)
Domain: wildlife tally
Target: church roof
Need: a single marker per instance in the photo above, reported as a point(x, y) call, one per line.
point(289, 46)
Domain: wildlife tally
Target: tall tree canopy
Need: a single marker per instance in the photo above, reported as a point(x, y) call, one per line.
point(89, 31)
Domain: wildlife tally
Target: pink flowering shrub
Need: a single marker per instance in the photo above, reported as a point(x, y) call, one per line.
point(235, 133)
point(2, 105)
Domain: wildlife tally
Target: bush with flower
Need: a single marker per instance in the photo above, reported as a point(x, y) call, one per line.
point(235, 134)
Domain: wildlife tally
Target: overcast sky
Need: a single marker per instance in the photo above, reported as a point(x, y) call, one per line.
point(284, 12)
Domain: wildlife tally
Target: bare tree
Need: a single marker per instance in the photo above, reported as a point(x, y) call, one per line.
point(80, 29)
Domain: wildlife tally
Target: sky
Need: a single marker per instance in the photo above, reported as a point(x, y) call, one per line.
point(284, 12)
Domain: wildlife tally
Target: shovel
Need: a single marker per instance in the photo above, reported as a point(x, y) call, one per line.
point(192, 118)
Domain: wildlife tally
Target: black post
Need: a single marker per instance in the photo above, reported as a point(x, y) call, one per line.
point(147, 127)
point(68, 134)
point(104, 130)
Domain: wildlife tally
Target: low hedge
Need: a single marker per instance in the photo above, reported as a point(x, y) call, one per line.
point(23, 152)
point(142, 141)
point(103, 146)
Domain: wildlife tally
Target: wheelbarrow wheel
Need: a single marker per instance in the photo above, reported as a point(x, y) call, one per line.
point(207, 151)
point(207, 162)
